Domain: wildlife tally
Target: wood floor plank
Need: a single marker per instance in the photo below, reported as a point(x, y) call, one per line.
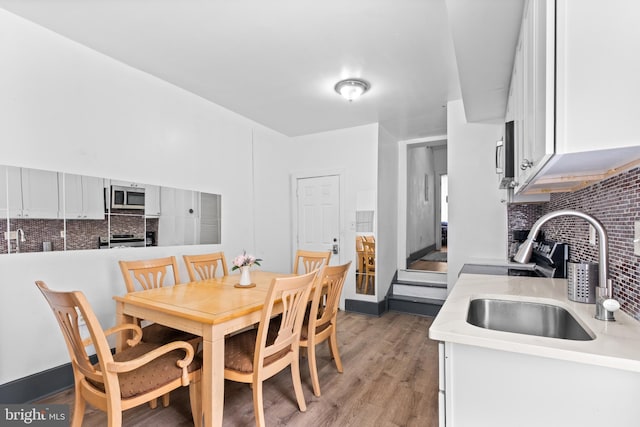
point(390, 379)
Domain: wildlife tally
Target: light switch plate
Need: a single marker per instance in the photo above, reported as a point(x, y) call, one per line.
point(592, 235)
point(636, 238)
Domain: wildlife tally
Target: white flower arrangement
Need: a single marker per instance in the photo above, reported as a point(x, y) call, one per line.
point(245, 260)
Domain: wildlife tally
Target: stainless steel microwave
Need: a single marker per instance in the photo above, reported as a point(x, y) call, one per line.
point(127, 197)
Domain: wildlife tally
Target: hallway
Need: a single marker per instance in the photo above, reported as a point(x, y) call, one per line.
point(431, 262)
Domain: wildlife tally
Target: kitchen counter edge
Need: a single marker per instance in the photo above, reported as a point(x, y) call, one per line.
point(616, 344)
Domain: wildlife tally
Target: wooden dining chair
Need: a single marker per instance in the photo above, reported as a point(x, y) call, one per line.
point(321, 324)
point(254, 356)
point(369, 265)
point(360, 260)
point(149, 274)
point(138, 374)
point(310, 260)
point(204, 267)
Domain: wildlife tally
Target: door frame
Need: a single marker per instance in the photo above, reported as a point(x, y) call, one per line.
point(295, 176)
point(402, 192)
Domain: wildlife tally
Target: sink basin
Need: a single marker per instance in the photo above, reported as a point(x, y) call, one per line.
point(522, 317)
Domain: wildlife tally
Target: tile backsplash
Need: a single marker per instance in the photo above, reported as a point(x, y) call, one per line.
point(615, 202)
point(81, 233)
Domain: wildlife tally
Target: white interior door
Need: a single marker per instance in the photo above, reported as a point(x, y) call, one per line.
point(318, 200)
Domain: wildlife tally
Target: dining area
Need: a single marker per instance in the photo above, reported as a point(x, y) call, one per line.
point(209, 330)
point(366, 267)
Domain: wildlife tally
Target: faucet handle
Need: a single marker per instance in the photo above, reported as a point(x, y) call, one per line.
point(611, 305)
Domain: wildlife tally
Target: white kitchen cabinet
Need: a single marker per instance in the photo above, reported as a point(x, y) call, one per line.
point(152, 200)
point(32, 193)
point(532, 88)
point(492, 388)
point(127, 184)
point(83, 197)
point(576, 68)
point(4, 191)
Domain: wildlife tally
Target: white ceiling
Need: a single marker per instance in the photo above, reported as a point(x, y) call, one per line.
point(277, 61)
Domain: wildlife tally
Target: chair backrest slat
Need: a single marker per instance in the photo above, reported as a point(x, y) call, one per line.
point(310, 260)
point(329, 284)
point(149, 274)
point(68, 308)
point(294, 293)
point(206, 266)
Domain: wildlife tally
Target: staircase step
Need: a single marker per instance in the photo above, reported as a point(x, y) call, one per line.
point(420, 291)
point(423, 284)
point(414, 305)
point(422, 276)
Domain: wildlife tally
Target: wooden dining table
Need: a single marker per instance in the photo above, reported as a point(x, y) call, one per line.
point(208, 308)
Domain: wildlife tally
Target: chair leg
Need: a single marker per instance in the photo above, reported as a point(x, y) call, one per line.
point(333, 346)
point(114, 418)
point(79, 407)
point(195, 398)
point(313, 369)
point(258, 404)
point(297, 384)
point(165, 400)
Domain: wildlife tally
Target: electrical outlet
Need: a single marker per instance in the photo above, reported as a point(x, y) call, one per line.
point(592, 235)
point(62, 233)
point(636, 238)
point(12, 235)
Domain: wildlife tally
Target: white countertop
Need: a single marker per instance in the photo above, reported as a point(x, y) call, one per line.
point(616, 344)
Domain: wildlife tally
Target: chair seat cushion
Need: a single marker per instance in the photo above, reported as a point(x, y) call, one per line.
point(154, 374)
point(156, 333)
point(304, 334)
point(240, 348)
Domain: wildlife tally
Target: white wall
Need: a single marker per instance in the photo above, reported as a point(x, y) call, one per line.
point(440, 159)
point(65, 107)
point(477, 218)
point(420, 210)
point(387, 226)
point(352, 152)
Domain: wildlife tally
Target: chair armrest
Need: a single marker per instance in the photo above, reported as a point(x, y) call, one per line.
point(118, 329)
point(131, 365)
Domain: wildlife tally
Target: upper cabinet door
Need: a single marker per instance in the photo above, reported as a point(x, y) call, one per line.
point(534, 68)
point(40, 194)
point(84, 197)
point(598, 70)
point(151, 200)
point(14, 191)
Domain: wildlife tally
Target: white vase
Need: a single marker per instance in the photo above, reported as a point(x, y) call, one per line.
point(245, 276)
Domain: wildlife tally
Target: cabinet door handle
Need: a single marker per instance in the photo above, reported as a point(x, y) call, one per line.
point(526, 164)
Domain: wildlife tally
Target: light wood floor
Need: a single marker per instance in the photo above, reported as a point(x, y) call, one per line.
point(441, 267)
point(390, 379)
point(438, 266)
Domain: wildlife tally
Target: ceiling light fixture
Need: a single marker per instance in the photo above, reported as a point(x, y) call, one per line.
point(351, 89)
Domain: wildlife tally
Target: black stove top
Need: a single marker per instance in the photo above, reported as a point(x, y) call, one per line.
point(550, 259)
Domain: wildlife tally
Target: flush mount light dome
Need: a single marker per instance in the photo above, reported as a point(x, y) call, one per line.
point(351, 89)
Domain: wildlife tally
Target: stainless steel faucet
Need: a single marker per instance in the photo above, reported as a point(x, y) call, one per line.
point(605, 304)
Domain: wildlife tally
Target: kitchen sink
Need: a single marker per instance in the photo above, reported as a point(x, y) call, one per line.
point(524, 317)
